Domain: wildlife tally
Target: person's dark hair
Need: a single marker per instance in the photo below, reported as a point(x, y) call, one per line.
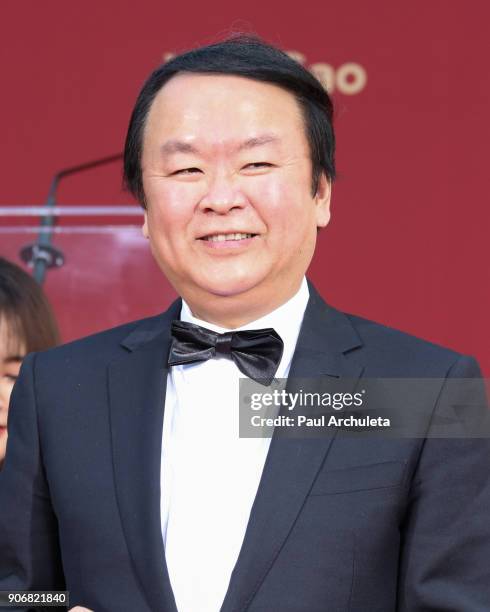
point(25, 309)
point(249, 57)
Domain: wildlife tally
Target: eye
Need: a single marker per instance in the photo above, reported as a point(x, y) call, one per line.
point(258, 165)
point(185, 171)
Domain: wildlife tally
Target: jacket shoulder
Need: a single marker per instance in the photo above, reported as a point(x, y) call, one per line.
point(403, 351)
point(99, 348)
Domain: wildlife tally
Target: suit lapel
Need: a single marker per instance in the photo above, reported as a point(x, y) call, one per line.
point(292, 463)
point(137, 386)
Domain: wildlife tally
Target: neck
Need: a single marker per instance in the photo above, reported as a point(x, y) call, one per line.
point(235, 311)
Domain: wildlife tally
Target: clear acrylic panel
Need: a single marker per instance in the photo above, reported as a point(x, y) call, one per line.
point(103, 273)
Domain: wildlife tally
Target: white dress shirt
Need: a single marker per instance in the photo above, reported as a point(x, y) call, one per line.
point(210, 476)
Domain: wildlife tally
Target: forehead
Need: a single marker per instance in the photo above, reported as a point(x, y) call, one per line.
point(221, 108)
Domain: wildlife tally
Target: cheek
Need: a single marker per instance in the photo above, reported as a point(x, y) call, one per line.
point(9, 393)
point(170, 206)
point(5, 392)
point(284, 206)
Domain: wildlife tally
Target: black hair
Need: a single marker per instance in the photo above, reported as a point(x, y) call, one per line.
point(252, 58)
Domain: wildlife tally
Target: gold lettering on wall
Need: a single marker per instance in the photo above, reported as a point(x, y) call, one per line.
point(349, 78)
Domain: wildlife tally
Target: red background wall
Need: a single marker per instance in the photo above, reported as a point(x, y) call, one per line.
point(408, 240)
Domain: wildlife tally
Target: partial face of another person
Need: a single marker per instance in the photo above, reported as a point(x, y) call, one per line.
point(12, 351)
point(227, 177)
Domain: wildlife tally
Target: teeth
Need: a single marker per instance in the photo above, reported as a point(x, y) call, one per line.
point(223, 237)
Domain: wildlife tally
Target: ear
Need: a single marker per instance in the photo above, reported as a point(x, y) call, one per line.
point(144, 228)
point(322, 201)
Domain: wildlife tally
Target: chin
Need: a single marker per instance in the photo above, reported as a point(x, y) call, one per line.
point(228, 287)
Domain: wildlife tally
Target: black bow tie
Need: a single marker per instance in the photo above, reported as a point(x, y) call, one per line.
point(256, 352)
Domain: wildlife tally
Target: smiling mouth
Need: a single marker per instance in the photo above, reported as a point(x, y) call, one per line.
point(227, 237)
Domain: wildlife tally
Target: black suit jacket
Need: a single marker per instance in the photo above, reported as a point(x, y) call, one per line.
point(339, 523)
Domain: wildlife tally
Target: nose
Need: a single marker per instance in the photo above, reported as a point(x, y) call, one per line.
point(222, 196)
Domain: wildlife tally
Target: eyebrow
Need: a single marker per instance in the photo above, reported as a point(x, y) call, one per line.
point(258, 141)
point(179, 146)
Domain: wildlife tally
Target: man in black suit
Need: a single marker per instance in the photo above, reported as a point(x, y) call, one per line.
point(125, 480)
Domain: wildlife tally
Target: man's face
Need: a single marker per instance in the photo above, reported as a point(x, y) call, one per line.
point(227, 178)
